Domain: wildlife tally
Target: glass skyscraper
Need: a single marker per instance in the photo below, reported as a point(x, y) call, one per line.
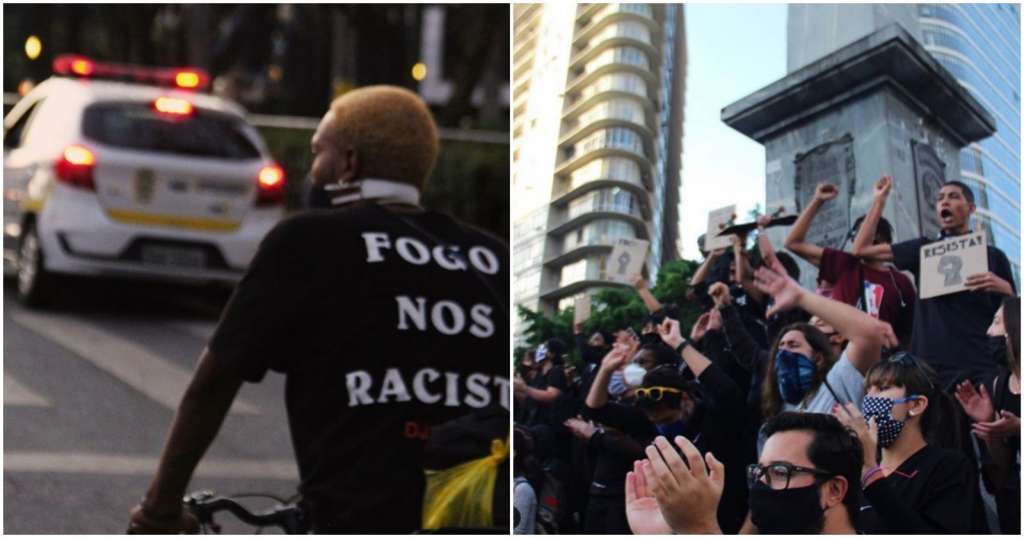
point(980, 45)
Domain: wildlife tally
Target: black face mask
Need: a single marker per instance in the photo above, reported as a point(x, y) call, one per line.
point(997, 348)
point(315, 196)
point(786, 511)
point(593, 354)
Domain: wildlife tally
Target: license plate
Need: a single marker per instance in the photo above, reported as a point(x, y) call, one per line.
point(188, 258)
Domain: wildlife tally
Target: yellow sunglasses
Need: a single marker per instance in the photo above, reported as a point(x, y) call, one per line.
point(656, 393)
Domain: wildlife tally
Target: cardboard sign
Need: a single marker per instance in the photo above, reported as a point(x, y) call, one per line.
point(717, 221)
point(946, 264)
point(582, 311)
point(627, 259)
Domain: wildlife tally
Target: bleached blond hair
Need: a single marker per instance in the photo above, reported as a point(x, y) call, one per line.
point(392, 130)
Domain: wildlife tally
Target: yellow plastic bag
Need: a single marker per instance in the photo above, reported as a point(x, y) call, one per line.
point(463, 495)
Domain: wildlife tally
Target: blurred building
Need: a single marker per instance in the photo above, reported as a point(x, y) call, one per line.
point(980, 45)
point(597, 142)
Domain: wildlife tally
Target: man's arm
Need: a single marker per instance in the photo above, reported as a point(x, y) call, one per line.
point(702, 271)
point(796, 242)
point(744, 271)
point(202, 410)
point(545, 396)
point(862, 244)
point(650, 301)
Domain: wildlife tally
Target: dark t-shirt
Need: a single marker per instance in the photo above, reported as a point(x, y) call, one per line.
point(382, 334)
point(949, 330)
point(934, 492)
point(889, 294)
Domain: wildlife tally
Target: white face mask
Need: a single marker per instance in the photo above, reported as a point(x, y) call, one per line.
point(634, 374)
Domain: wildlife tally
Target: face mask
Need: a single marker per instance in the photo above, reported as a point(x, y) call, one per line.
point(541, 354)
point(316, 196)
point(794, 373)
point(617, 385)
point(997, 348)
point(339, 194)
point(634, 374)
point(889, 429)
point(672, 429)
point(593, 354)
point(786, 511)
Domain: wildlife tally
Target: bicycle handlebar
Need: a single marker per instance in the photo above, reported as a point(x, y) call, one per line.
point(204, 504)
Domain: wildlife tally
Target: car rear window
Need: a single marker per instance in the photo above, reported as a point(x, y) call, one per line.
point(138, 126)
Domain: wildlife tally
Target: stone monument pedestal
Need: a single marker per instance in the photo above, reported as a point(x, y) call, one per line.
point(879, 106)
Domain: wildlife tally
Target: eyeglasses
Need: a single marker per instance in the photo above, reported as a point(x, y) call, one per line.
point(904, 358)
point(778, 474)
point(656, 393)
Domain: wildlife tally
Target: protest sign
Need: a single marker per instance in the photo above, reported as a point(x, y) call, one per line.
point(626, 259)
point(717, 221)
point(582, 310)
point(946, 264)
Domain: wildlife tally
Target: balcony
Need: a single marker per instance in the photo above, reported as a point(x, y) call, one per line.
point(607, 63)
point(615, 36)
point(611, 13)
point(595, 119)
point(573, 218)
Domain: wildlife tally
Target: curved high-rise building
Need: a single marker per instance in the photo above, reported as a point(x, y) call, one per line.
point(980, 45)
point(597, 142)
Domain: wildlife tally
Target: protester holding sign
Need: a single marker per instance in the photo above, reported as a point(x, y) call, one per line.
point(871, 285)
point(949, 330)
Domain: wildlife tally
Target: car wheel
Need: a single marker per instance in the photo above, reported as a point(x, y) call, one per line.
point(35, 283)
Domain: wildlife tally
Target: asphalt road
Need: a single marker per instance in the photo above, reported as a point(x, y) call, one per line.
point(90, 389)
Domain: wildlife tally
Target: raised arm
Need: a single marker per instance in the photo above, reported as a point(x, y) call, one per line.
point(702, 271)
point(744, 272)
point(598, 395)
point(648, 298)
point(866, 334)
point(862, 244)
point(796, 242)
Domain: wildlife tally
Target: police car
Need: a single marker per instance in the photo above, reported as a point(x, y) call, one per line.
point(127, 171)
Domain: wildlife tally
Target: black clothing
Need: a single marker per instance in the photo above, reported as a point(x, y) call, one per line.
point(720, 425)
point(606, 514)
point(950, 329)
point(382, 334)
point(542, 413)
point(1008, 496)
point(934, 491)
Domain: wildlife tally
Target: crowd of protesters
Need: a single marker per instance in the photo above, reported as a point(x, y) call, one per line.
point(857, 407)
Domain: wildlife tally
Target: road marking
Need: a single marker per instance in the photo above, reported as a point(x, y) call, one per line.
point(126, 464)
point(202, 330)
point(17, 394)
point(158, 379)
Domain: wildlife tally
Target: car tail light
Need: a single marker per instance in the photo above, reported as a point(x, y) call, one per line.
point(170, 105)
point(75, 167)
point(270, 185)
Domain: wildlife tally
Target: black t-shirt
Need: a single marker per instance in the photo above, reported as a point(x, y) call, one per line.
point(949, 330)
point(934, 491)
point(542, 413)
point(385, 325)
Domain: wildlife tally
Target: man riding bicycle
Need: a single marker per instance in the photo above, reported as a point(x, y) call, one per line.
point(387, 320)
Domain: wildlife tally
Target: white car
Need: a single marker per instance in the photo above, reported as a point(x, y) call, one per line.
point(127, 178)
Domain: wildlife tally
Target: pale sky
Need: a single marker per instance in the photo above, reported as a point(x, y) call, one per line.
point(733, 50)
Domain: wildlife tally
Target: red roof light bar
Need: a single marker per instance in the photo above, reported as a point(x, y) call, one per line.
point(75, 65)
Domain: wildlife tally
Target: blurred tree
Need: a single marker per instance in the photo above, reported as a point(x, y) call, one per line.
point(616, 308)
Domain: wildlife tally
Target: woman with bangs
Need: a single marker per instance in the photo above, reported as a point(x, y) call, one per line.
point(918, 486)
point(811, 372)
